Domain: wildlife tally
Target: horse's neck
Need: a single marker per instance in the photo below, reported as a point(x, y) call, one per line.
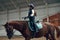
point(49, 23)
point(21, 25)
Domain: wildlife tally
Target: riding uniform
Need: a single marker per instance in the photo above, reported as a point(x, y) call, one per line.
point(31, 17)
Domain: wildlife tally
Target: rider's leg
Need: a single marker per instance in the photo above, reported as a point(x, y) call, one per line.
point(32, 25)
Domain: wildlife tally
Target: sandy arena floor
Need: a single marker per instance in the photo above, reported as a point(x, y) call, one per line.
point(21, 38)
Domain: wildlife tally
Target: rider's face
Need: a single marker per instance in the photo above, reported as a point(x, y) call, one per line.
point(30, 7)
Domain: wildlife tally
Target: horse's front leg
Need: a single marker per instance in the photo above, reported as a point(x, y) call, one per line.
point(27, 38)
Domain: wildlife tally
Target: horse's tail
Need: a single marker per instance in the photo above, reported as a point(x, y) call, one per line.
point(57, 31)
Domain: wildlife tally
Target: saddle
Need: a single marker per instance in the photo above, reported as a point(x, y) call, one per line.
point(38, 26)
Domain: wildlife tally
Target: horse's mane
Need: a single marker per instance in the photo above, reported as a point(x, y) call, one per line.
point(16, 21)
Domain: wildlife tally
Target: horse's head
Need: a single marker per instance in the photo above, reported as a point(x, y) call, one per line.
point(9, 30)
point(18, 25)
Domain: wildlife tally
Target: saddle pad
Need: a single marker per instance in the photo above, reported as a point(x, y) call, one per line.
point(39, 25)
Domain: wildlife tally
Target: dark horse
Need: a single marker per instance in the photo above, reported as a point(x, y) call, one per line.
point(22, 26)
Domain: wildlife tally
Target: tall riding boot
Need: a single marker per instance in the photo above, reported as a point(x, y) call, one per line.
point(33, 34)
